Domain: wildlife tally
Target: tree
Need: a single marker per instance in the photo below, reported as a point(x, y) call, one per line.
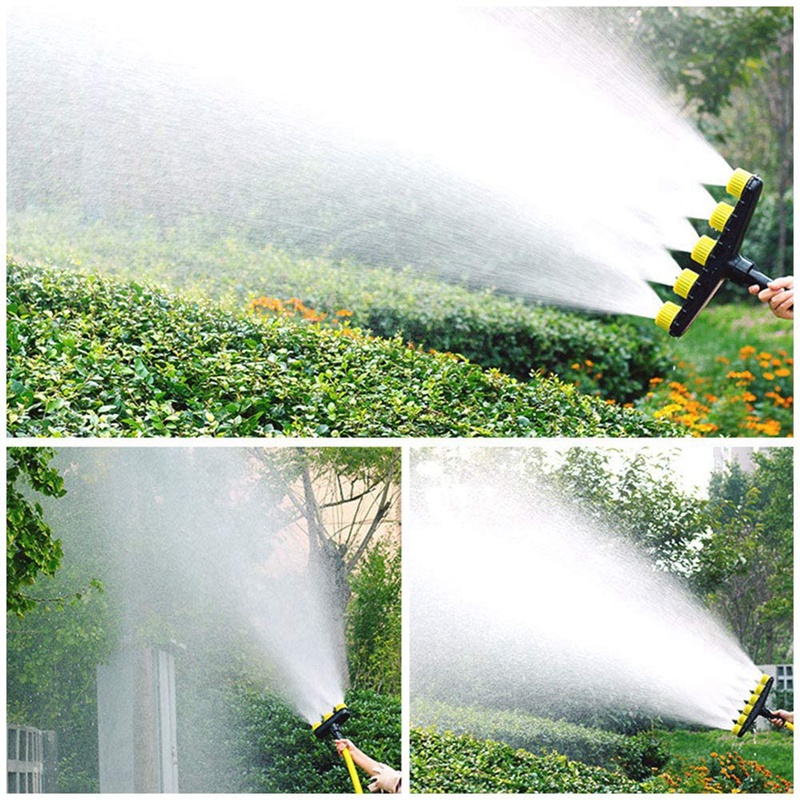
point(734, 68)
point(638, 497)
point(342, 494)
point(746, 565)
point(374, 621)
point(31, 548)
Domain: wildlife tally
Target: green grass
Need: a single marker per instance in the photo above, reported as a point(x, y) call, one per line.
point(773, 749)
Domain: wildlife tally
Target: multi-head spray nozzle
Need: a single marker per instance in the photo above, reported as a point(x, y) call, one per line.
point(755, 707)
point(719, 260)
point(330, 724)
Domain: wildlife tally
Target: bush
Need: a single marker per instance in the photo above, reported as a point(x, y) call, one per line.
point(636, 756)
point(604, 356)
point(450, 763)
point(279, 753)
point(90, 356)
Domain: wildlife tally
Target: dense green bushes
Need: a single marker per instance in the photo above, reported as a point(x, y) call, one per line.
point(446, 762)
point(636, 756)
point(89, 356)
point(279, 753)
point(613, 359)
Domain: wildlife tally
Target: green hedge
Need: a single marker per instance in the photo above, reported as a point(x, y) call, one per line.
point(272, 750)
point(636, 756)
point(450, 763)
point(613, 358)
point(92, 356)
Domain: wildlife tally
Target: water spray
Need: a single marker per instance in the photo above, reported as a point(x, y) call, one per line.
point(755, 707)
point(719, 260)
point(330, 724)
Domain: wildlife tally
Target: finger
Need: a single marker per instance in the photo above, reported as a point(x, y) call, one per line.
point(781, 283)
point(755, 289)
point(765, 295)
point(785, 300)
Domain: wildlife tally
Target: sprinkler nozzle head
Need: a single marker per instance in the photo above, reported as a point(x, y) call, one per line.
point(755, 706)
point(330, 722)
point(737, 182)
point(720, 216)
point(702, 250)
point(667, 314)
point(685, 282)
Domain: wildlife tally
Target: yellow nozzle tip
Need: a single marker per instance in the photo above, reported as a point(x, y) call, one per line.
point(702, 250)
point(315, 725)
point(736, 728)
point(737, 182)
point(339, 707)
point(667, 314)
point(685, 282)
point(720, 216)
point(764, 680)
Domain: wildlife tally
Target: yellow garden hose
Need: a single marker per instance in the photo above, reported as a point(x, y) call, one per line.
point(351, 768)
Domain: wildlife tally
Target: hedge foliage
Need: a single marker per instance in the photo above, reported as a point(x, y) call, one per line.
point(451, 763)
point(612, 358)
point(92, 356)
point(279, 753)
point(636, 756)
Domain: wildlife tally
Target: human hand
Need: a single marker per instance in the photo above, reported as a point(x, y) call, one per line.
point(781, 717)
point(385, 779)
point(342, 745)
point(780, 296)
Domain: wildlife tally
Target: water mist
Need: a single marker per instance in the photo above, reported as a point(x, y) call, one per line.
point(196, 548)
point(523, 149)
point(521, 601)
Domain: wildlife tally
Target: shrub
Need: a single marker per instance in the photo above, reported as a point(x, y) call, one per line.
point(91, 356)
point(604, 356)
point(636, 756)
point(279, 753)
point(450, 763)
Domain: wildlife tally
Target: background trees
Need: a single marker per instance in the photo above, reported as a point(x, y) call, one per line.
point(734, 549)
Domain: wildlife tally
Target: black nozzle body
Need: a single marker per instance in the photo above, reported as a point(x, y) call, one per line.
point(332, 725)
point(759, 710)
point(724, 262)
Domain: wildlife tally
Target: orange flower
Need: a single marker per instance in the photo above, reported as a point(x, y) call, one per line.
point(746, 351)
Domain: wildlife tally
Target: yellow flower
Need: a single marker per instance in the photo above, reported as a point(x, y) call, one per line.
point(769, 376)
point(746, 351)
